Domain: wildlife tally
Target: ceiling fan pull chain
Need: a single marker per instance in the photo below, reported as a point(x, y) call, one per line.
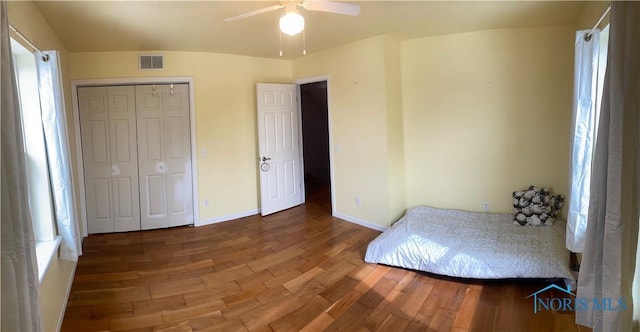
point(304, 43)
point(280, 34)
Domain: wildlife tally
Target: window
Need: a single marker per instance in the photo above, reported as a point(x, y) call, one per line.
point(38, 180)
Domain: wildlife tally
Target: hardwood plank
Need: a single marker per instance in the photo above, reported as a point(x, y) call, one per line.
point(180, 327)
point(282, 279)
point(414, 297)
point(339, 289)
point(297, 282)
point(304, 315)
point(273, 259)
point(244, 295)
point(341, 306)
point(106, 276)
point(442, 320)
point(136, 322)
point(216, 292)
point(157, 305)
point(319, 323)
point(229, 325)
point(263, 315)
point(176, 287)
point(352, 319)
point(111, 295)
point(177, 315)
point(237, 310)
point(73, 324)
point(393, 323)
point(285, 267)
point(255, 280)
point(335, 272)
point(377, 293)
point(217, 278)
point(206, 321)
point(272, 295)
point(464, 316)
point(111, 310)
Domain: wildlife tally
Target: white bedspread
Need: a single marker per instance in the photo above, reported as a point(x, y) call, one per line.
point(473, 245)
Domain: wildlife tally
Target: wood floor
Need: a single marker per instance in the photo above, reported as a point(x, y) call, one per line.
point(298, 270)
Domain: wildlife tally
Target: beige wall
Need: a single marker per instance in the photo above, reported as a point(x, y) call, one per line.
point(224, 110)
point(54, 287)
point(53, 292)
point(362, 101)
point(486, 113)
point(395, 137)
point(592, 12)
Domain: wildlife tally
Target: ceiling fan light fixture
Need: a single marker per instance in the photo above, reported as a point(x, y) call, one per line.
point(291, 23)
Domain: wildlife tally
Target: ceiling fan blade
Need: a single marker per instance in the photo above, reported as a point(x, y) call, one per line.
point(332, 7)
point(253, 13)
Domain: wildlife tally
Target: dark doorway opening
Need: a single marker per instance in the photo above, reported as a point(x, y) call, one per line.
point(315, 136)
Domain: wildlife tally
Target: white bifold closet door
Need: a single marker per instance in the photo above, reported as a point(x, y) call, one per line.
point(164, 155)
point(109, 153)
point(136, 151)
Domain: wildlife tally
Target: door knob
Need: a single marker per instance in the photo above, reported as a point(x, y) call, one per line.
point(161, 167)
point(265, 159)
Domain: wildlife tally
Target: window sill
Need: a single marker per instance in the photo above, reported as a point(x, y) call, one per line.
point(44, 252)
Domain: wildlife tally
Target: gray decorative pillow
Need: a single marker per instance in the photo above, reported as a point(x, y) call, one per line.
point(536, 206)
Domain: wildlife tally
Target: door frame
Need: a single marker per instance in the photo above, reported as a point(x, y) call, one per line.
point(75, 84)
point(316, 79)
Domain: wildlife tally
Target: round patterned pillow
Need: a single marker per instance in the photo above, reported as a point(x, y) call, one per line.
point(536, 206)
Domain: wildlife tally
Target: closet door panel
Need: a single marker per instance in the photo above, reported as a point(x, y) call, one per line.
point(151, 157)
point(124, 158)
point(96, 158)
point(109, 154)
point(178, 154)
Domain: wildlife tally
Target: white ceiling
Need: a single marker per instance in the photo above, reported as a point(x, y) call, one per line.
point(85, 26)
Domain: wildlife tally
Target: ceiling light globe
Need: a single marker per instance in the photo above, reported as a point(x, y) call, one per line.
point(291, 23)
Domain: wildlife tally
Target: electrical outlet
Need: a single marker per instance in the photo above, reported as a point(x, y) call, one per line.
point(358, 201)
point(485, 206)
point(206, 203)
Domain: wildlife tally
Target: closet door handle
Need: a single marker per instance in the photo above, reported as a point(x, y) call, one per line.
point(115, 170)
point(161, 167)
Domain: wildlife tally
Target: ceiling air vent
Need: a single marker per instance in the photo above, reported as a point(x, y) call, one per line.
point(151, 62)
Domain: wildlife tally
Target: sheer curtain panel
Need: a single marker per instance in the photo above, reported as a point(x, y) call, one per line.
point(19, 268)
point(55, 132)
point(609, 258)
point(583, 135)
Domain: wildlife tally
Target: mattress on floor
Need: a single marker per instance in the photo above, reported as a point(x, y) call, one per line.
point(473, 245)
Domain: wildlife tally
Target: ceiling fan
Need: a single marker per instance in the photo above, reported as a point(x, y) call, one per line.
point(291, 21)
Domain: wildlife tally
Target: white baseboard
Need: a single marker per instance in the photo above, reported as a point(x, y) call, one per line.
point(227, 217)
point(360, 222)
point(66, 297)
point(243, 214)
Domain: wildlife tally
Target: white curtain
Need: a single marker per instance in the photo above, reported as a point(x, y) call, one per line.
point(19, 267)
point(609, 257)
point(583, 135)
point(55, 132)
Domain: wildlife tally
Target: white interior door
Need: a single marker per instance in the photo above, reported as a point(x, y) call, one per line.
point(109, 153)
point(164, 154)
point(280, 160)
